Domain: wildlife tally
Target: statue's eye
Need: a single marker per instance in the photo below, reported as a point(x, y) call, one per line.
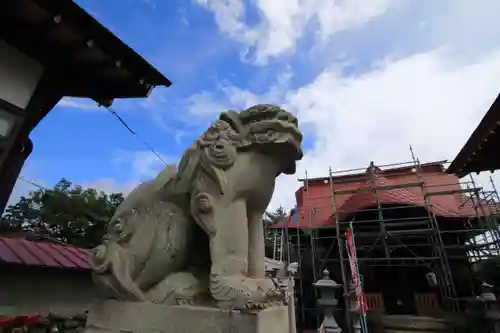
point(118, 226)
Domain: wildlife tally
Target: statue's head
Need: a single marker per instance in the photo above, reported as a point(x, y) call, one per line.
point(263, 127)
point(274, 131)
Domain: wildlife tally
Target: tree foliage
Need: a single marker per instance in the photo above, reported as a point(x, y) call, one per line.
point(66, 213)
point(270, 218)
point(278, 215)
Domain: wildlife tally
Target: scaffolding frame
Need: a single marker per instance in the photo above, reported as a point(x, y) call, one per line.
point(481, 230)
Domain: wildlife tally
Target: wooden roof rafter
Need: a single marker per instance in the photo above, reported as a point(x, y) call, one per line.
point(480, 152)
point(84, 58)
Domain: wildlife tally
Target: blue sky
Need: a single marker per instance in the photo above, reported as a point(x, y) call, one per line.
point(366, 79)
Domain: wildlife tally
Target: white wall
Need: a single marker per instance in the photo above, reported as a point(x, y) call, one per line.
point(19, 75)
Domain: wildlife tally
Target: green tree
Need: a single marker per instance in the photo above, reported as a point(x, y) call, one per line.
point(278, 215)
point(67, 213)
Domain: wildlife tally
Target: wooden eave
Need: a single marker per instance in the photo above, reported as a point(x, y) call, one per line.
point(480, 152)
point(81, 57)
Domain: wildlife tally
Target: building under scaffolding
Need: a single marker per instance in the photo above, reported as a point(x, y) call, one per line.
point(419, 232)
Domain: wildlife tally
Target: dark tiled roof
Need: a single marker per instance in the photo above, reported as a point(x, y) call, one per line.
point(24, 252)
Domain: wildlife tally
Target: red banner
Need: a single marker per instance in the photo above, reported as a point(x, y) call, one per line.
point(351, 251)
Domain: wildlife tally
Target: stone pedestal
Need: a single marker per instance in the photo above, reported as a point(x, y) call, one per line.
point(117, 316)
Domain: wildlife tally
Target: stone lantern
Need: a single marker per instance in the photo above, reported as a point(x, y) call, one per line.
point(327, 288)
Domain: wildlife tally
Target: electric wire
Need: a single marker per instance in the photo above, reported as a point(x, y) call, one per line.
point(32, 183)
point(134, 133)
point(129, 129)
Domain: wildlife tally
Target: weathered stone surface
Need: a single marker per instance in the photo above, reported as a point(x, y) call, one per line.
point(115, 316)
point(195, 236)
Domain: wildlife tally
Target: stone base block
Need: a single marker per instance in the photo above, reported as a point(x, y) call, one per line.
point(117, 316)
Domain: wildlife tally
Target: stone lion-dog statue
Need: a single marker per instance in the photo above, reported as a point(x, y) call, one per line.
point(195, 236)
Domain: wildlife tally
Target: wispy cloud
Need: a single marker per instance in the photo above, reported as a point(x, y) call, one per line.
point(203, 104)
point(208, 104)
point(284, 22)
point(142, 164)
point(79, 103)
point(110, 185)
point(369, 108)
point(183, 17)
point(365, 79)
point(150, 3)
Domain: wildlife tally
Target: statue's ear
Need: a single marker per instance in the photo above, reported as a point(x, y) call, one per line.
point(187, 171)
point(233, 118)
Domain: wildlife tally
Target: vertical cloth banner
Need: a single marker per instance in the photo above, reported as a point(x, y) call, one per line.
point(353, 263)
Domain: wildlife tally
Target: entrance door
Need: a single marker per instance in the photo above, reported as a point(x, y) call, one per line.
point(399, 293)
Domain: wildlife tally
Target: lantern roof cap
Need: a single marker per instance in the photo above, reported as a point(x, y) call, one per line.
point(326, 282)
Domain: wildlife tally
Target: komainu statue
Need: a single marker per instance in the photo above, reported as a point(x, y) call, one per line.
point(195, 235)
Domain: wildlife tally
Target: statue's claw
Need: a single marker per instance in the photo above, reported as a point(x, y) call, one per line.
point(245, 293)
point(185, 301)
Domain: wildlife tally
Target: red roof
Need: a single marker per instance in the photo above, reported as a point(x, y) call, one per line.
point(355, 192)
point(24, 252)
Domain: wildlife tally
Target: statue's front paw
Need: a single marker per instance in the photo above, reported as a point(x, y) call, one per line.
point(181, 288)
point(240, 292)
point(270, 295)
point(234, 291)
point(271, 288)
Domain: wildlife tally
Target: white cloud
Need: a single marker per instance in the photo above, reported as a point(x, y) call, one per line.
point(150, 3)
point(183, 17)
point(411, 72)
point(144, 164)
point(24, 186)
point(429, 88)
point(110, 185)
point(466, 25)
point(336, 16)
point(79, 103)
point(427, 100)
point(203, 104)
point(284, 22)
point(139, 166)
